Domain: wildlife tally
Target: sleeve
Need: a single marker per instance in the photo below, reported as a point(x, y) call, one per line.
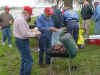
point(97, 17)
point(41, 26)
point(51, 23)
point(91, 10)
point(82, 12)
point(1, 20)
point(11, 18)
point(24, 29)
point(65, 15)
point(77, 16)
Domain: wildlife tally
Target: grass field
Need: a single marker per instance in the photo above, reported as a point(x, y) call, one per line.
point(87, 60)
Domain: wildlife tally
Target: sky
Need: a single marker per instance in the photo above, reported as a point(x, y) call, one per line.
point(18, 3)
point(21, 3)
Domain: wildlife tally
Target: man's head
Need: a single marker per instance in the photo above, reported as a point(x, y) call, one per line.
point(96, 2)
point(54, 6)
point(48, 11)
point(27, 12)
point(7, 9)
point(86, 3)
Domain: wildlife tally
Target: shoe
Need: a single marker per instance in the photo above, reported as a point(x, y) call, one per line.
point(3, 43)
point(81, 46)
point(10, 46)
point(36, 50)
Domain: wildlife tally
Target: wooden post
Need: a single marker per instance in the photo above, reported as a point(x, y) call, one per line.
point(68, 3)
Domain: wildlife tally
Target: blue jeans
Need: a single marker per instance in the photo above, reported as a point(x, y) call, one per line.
point(73, 29)
point(44, 45)
point(26, 58)
point(6, 34)
point(97, 28)
point(56, 37)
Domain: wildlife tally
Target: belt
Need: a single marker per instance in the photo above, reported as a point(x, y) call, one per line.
point(20, 38)
point(5, 27)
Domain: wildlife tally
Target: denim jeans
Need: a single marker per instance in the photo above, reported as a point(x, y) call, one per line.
point(26, 58)
point(56, 37)
point(73, 29)
point(44, 45)
point(6, 34)
point(97, 28)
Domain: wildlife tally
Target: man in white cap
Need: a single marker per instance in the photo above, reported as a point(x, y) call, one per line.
point(97, 17)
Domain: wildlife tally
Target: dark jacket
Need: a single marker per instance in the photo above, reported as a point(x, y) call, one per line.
point(58, 18)
point(86, 12)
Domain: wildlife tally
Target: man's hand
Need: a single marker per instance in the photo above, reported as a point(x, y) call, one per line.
point(10, 22)
point(53, 29)
point(0, 27)
point(36, 32)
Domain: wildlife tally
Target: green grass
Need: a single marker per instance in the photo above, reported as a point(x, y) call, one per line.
point(88, 60)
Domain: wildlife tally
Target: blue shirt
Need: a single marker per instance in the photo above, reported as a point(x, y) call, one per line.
point(70, 15)
point(43, 24)
point(97, 13)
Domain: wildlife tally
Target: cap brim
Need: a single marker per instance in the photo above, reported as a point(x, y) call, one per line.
point(51, 13)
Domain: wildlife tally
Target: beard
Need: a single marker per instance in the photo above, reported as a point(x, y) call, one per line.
point(29, 19)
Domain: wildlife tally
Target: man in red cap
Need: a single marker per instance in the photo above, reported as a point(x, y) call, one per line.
point(46, 27)
point(22, 34)
point(6, 20)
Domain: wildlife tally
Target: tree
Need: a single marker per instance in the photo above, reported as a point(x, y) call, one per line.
point(81, 1)
point(68, 3)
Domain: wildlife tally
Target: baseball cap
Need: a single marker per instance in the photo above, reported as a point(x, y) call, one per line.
point(7, 8)
point(28, 9)
point(49, 11)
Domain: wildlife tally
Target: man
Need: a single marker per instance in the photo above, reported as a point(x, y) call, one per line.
point(58, 23)
point(86, 14)
point(57, 17)
point(45, 26)
point(97, 16)
point(6, 20)
point(71, 20)
point(22, 34)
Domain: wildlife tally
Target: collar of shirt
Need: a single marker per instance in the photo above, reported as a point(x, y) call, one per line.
point(44, 16)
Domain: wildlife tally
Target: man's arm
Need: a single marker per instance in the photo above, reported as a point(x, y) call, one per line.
point(97, 17)
point(40, 25)
point(11, 19)
point(51, 27)
point(43, 28)
point(1, 20)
